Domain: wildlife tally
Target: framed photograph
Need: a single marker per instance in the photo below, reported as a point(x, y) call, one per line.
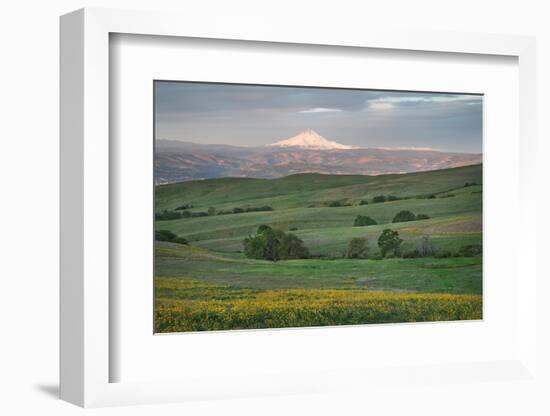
point(253, 232)
point(268, 212)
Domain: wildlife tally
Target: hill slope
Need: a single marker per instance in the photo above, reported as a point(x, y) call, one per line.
point(302, 203)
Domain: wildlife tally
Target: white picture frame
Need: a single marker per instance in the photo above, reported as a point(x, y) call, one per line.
point(85, 210)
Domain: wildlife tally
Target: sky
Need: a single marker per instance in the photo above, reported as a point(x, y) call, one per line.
point(255, 115)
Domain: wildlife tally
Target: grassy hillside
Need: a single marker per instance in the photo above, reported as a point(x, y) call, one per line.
point(309, 189)
point(197, 281)
point(455, 212)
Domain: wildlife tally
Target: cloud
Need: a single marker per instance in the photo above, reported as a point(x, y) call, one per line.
point(380, 106)
point(320, 110)
point(425, 99)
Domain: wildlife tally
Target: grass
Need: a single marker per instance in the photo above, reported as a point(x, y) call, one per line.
point(422, 275)
point(211, 285)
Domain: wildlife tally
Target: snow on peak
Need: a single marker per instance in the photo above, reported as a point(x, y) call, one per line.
point(310, 139)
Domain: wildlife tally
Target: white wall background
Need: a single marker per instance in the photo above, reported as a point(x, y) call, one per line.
point(29, 202)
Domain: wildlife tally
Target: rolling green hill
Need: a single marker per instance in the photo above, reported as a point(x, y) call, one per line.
point(300, 204)
point(303, 190)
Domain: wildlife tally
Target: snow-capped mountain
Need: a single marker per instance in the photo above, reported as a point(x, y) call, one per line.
point(177, 161)
point(310, 139)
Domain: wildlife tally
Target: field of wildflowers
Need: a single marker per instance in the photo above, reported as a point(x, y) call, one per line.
point(190, 305)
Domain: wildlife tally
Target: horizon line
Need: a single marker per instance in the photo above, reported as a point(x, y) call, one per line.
point(404, 148)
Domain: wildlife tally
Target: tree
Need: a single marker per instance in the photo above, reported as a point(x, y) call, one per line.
point(403, 216)
point(263, 228)
point(363, 220)
point(357, 248)
point(292, 247)
point(425, 247)
point(389, 241)
point(422, 217)
point(264, 246)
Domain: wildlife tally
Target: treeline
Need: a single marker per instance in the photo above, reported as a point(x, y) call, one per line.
point(389, 244)
point(183, 212)
point(378, 199)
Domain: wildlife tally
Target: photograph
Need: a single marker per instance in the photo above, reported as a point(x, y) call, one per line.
point(292, 206)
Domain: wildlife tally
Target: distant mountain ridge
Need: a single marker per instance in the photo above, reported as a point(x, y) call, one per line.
point(177, 161)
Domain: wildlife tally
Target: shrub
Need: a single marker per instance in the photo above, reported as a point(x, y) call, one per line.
point(467, 184)
point(363, 202)
point(470, 250)
point(431, 196)
point(412, 254)
point(389, 241)
point(403, 216)
point(393, 198)
point(168, 215)
point(363, 220)
point(379, 198)
point(422, 217)
point(357, 248)
point(212, 211)
point(294, 229)
point(184, 207)
point(340, 203)
point(443, 254)
point(167, 235)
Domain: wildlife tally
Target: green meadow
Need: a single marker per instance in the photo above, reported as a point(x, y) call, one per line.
point(210, 284)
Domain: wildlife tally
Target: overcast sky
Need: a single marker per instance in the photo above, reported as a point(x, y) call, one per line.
point(249, 115)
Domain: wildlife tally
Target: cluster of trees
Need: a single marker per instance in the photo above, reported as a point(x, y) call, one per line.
point(403, 216)
point(183, 212)
point(388, 242)
point(270, 244)
point(167, 235)
point(375, 200)
point(176, 215)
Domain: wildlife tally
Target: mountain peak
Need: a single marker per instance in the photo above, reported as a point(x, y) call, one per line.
point(310, 139)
